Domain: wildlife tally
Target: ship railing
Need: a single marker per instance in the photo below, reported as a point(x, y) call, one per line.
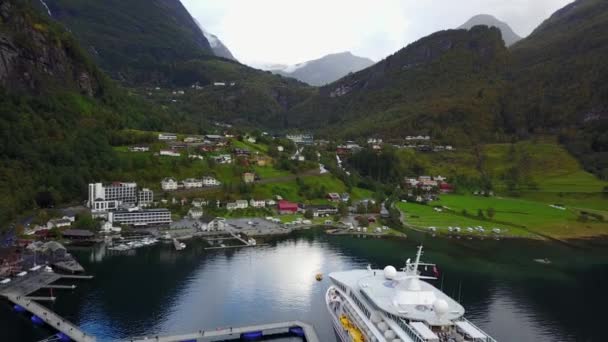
point(408, 330)
point(488, 337)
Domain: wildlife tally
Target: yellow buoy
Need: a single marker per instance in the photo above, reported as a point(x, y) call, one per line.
point(319, 276)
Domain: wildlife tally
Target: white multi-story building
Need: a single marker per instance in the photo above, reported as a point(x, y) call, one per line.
point(167, 136)
point(139, 217)
point(145, 197)
point(168, 184)
point(124, 193)
point(192, 183)
point(210, 181)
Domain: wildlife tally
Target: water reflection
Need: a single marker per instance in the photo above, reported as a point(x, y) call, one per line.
point(159, 290)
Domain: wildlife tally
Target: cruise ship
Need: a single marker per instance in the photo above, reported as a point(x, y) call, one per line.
point(396, 306)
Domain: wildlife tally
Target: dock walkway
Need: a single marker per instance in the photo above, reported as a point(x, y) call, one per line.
point(234, 333)
point(52, 319)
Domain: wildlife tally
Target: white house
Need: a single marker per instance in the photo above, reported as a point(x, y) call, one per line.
point(195, 213)
point(210, 181)
point(65, 221)
point(199, 202)
point(167, 136)
point(169, 153)
point(168, 184)
point(219, 84)
point(271, 202)
point(210, 223)
point(257, 204)
point(192, 183)
point(242, 204)
point(231, 206)
point(139, 148)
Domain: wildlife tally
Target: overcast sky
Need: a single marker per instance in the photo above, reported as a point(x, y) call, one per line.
point(293, 31)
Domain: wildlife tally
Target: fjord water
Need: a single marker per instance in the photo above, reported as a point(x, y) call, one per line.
point(161, 291)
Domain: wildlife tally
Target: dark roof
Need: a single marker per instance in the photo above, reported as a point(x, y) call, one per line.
point(77, 232)
point(321, 207)
point(207, 219)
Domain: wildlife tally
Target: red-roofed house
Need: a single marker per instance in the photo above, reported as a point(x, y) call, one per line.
point(286, 207)
point(446, 187)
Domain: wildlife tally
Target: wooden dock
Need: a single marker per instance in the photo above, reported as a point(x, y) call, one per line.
point(52, 319)
point(235, 333)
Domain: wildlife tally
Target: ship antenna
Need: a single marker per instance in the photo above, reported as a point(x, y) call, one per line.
point(418, 255)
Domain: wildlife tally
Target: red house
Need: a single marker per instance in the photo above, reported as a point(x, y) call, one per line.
point(286, 207)
point(446, 188)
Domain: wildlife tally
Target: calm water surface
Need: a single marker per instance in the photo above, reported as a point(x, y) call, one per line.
point(161, 291)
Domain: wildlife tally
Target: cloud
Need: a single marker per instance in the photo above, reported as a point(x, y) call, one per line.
point(293, 31)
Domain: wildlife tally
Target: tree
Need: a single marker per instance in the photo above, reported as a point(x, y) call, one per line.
point(491, 212)
point(342, 209)
point(480, 213)
point(308, 214)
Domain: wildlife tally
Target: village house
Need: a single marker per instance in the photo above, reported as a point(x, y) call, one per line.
point(223, 159)
point(199, 202)
point(241, 152)
point(167, 136)
point(257, 203)
point(286, 207)
point(333, 196)
point(242, 204)
point(176, 147)
point(270, 202)
point(192, 139)
point(321, 210)
point(248, 177)
point(195, 212)
point(169, 153)
point(168, 184)
point(210, 181)
point(192, 183)
point(65, 221)
point(231, 206)
point(301, 139)
point(139, 148)
point(210, 223)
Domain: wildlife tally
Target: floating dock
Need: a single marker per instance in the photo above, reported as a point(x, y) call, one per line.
point(20, 288)
point(296, 328)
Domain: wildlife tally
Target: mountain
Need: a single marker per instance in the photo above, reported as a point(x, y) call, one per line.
point(559, 85)
point(446, 84)
point(58, 112)
point(326, 69)
point(150, 43)
point(219, 49)
point(508, 35)
point(136, 41)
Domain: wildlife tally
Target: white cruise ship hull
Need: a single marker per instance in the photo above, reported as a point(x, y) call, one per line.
point(341, 333)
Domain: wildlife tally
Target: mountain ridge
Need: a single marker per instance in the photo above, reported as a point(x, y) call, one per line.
point(509, 36)
point(324, 70)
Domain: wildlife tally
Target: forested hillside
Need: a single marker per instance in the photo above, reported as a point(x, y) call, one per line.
point(57, 113)
point(447, 84)
point(559, 84)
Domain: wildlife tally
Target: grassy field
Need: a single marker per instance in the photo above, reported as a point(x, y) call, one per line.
point(549, 165)
point(520, 217)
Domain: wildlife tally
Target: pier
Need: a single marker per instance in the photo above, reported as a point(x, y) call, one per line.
point(20, 288)
point(229, 334)
point(52, 319)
